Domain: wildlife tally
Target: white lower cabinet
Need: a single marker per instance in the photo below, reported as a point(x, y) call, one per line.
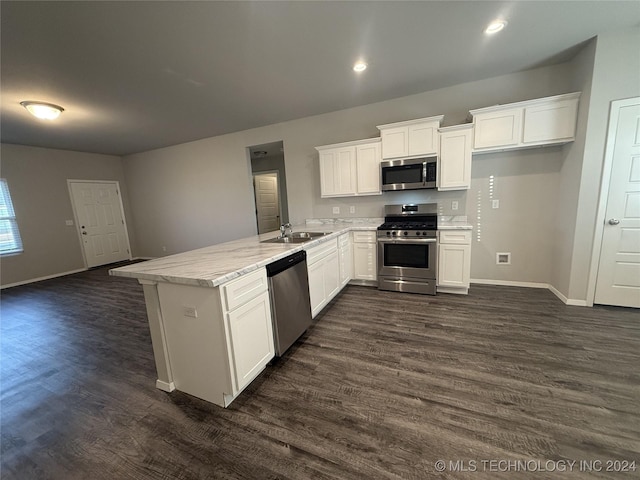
point(365, 250)
point(218, 339)
point(324, 274)
point(345, 257)
point(454, 261)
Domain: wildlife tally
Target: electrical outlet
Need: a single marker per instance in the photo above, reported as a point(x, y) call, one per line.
point(164, 249)
point(336, 210)
point(352, 209)
point(454, 205)
point(190, 312)
point(495, 203)
point(68, 223)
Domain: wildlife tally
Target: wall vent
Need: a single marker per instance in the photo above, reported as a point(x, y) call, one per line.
point(503, 258)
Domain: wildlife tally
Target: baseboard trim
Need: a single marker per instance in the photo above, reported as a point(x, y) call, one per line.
point(39, 279)
point(144, 258)
point(508, 283)
point(165, 386)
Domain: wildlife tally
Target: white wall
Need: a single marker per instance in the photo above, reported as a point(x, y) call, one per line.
point(37, 179)
point(196, 194)
point(616, 75)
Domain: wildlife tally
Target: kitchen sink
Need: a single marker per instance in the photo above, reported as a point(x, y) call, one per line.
point(296, 237)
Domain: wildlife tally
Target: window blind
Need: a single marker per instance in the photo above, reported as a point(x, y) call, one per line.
point(10, 241)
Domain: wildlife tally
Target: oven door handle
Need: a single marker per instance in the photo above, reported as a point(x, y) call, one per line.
point(407, 240)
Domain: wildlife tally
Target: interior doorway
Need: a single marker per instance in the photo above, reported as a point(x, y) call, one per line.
point(269, 185)
point(618, 225)
point(265, 186)
point(99, 216)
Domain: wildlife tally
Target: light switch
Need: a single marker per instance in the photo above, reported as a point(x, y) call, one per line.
point(454, 205)
point(352, 209)
point(336, 210)
point(68, 223)
point(495, 203)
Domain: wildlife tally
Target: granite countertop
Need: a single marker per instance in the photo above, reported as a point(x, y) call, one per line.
point(217, 264)
point(454, 222)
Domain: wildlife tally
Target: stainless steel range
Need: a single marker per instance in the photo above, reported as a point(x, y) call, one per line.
point(407, 252)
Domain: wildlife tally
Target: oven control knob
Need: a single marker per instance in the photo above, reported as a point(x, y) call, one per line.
point(388, 234)
point(406, 233)
point(424, 233)
point(393, 233)
point(418, 233)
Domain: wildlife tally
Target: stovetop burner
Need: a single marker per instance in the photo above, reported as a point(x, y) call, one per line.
point(407, 226)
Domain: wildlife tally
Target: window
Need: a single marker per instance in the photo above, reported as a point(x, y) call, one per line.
point(10, 241)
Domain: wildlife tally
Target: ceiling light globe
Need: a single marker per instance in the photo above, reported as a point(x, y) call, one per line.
point(360, 67)
point(44, 111)
point(495, 27)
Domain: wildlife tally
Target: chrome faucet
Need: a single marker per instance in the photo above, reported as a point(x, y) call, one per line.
point(283, 229)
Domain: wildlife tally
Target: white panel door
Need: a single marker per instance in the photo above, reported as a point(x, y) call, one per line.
point(618, 280)
point(267, 202)
point(101, 222)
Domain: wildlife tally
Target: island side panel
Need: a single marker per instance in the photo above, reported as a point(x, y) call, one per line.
point(158, 339)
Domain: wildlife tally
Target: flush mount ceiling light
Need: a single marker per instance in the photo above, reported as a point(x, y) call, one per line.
point(260, 153)
point(360, 67)
point(42, 110)
point(495, 27)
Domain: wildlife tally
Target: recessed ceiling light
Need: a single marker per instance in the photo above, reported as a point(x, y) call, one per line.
point(42, 110)
point(360, 67)
point(495, 27)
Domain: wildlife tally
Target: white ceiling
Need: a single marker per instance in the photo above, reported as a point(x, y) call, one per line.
point(135, 76)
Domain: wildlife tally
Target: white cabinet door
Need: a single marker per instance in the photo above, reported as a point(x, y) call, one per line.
point(251, 338)
point(331, 276)
point(498, 129)
point(455, 158)
point(453, 261)
point(364, 261)
point(338, 172)
point(345, 252)
point(423, 139)
point(395, 142)
point(316, 286)
point(550, 122)
point(368, 168)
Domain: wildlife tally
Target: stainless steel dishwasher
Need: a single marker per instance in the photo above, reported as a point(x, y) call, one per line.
point(290, 302)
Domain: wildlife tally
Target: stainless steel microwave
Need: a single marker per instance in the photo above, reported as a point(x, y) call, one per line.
point(409, 174)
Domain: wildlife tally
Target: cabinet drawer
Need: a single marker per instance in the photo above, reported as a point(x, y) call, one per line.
point(455, 237)
point(243, 289)
point(316, 253)
point(364, 237)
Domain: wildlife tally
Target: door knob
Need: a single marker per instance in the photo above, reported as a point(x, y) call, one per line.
point(614, 221)
point(84, 233)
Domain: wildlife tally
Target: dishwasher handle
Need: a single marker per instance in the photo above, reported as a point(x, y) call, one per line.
point(285, 263)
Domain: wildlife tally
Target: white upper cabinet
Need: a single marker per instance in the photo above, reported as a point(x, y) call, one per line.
point(350, 168)
point(553, 121)
point(532, 123)
point(454, 165)
point(410, 139)
point(338, 171)
point(368, 168)
point(502, 128)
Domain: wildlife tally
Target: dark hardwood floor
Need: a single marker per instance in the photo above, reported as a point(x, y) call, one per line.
point(383, 386)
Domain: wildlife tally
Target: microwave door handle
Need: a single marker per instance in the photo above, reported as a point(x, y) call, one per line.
point(424, 173)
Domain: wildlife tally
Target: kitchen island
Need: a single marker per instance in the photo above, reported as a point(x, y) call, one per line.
point(209, 310)
point(209, 313)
